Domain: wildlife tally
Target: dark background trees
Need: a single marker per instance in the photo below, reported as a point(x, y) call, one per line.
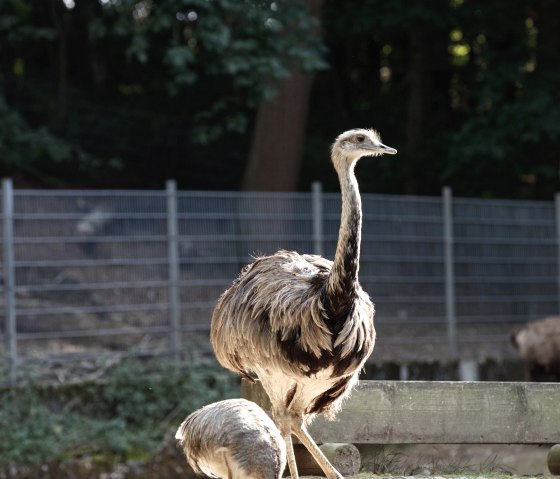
point(229, 94)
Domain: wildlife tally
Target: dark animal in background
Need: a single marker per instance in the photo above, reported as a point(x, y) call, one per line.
point(538, 343)
point(233, 439)
point(302, 323)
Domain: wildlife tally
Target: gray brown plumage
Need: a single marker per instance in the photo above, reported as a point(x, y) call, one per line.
point(233, 439)
point(302, 323)
point(538, 343)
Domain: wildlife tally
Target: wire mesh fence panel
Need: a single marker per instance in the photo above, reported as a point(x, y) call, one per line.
point(506, 269)
point(402, 269)
point(93, 271)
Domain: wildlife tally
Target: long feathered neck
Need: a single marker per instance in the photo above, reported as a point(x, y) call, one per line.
point(343, 278)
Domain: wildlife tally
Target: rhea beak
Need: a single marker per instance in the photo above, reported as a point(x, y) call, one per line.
point(387, 150)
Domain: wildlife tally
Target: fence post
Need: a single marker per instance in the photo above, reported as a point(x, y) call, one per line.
point(10, 330)
point(317, 208)
point(557, 209)
point(449, 271)
point(173, 269)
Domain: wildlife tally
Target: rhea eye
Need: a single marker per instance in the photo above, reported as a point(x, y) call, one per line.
point(360, 138)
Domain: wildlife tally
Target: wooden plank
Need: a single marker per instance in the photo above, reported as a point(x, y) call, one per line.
point(407, 412)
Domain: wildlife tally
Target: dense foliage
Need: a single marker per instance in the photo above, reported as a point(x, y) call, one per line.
point(125, 416)
point(467, 90)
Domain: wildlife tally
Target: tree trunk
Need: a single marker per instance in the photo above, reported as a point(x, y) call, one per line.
point(277, 147)
point(548, 51)
point(428, 75)
point(278, 137)
point(419, 93)
point(548, 71)
point(98, 68)
point(61, 21)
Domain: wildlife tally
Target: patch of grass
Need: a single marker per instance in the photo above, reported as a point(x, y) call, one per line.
point(386, 461)
point(393, 461)
point(122, 416)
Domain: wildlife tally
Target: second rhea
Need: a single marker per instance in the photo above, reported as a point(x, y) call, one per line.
point(233, 439)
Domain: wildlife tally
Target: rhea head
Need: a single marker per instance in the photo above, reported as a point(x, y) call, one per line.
point(353, 144)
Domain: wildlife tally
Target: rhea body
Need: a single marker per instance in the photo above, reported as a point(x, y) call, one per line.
point(302, 323)
point(233, 439)
point(538, 343)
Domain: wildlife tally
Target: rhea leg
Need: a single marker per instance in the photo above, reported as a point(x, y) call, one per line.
point(301, 433)
point(229, 473)
point(291, 458)
point(284, 424)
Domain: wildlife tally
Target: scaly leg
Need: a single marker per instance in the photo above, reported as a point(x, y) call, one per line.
point(284, 422)
point(229, 473)
point(290, 456)
point(301, 433)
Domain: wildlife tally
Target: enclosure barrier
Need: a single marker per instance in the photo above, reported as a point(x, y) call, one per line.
point(440, 412)
point(87, 274)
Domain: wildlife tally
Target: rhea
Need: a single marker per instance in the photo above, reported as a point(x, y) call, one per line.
point(302, 323)
point(538, 343)
point(233, 439)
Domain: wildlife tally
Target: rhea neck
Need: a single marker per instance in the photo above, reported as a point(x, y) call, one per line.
point(343, 278)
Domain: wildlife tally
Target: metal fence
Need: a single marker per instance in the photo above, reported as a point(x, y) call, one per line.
point(89, 273)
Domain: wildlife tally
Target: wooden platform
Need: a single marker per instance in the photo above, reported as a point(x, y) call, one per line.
point(440, 412)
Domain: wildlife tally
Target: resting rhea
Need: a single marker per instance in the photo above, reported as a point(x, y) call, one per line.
point(233, 439)
point(302, 323)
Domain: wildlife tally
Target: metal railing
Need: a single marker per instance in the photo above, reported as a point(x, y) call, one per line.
point(92, 273)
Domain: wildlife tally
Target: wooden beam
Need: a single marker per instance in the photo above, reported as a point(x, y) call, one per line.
point(408, 412)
